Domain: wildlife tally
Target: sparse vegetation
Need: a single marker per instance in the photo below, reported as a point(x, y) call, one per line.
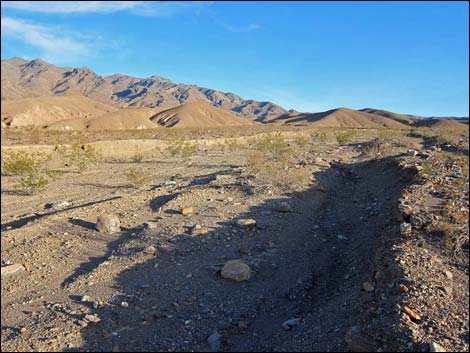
point(79, 155)
point(137, 178)
point(30, 170)
point(345, 137)
point(183, 149)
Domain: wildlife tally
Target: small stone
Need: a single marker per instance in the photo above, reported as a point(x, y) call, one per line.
point(12, 270)
point(108, 223)
point(58, 204)
point(150, 225)
point(214, 341)
point(246, 223)
point(284, 207)
point(290, 324)
point(412, 153)
point(404, 288)
point(85, 298)
point(435, 347)
point(92, 318)
point(170, 182)
point(368, 287)
point(151, 250)
point(195, 232)
point(405, 228)
point(412, 314)
point(236, 270)
point(23, 330)
point(187, 210)
point(243, 325)
point(124, 304)
point(449, 274)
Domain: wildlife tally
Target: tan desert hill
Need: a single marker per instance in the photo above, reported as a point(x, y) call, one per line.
point(391, 115)
point(45, 110)
point(446, 124)
point(341, 118)
point(123, 119)
point(22, 78)
point(198, 114)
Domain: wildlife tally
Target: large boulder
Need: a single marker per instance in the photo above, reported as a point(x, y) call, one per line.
point(236, 270)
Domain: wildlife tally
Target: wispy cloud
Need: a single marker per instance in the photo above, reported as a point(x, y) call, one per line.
point(144, 8)
point(240, 29)
point(55, 43)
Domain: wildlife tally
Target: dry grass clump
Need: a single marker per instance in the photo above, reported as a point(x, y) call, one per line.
point(79, 155)
point(183, 149)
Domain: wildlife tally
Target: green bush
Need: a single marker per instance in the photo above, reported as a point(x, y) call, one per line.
point(79, 155)
point(30, 170)
point(345, 136)
point(183, 149)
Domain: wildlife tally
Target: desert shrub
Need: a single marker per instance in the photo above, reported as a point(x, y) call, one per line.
point(137, 157)
point(183, 149)
point(373, 148)
point(136, 177)
point(30, 170)
point(232, 144)
point(79, 155)
point(345, 137)
point(301, 142)
point(319, 136)
point(274, 147)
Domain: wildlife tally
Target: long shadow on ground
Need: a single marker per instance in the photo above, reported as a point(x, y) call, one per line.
point(310, 264)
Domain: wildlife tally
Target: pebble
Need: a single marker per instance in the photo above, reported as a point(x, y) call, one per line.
point(368, 287)
point(405, 228)
point(151, 250)
point(246, 223)
point(290, 324)
point(435, 347)
point(12, 270)
point(187, 210)
point(92, 318)
point(284, 207)
point(412, 314)
point(124, 304)
point(214, 341)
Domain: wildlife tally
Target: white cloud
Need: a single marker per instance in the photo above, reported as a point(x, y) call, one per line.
point(56, 44)
point(145, 8)
point(239, 29)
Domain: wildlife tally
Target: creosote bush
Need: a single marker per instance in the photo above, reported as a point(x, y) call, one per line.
point(30, 170)
point(79, 155)
point(183, 149)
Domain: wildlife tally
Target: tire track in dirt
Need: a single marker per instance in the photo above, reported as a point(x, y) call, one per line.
point(360, 203)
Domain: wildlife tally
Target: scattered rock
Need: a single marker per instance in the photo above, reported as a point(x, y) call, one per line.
point(412, 153)
point(195, 232)
point(170, 182)
point(92, 318)
point(246, 223)
point(108, 223)
point(85, 298)
point(214, 341)
point(187, 210)
point(405, 228)
point(236, 270)
point(24, 330)
point(284, 207)
point(368, 287)
point(12, 270)
point(58, 204)
point(435, 347)
point(449, 274)
point(150, 225)
point(151, 250)
point(412, 314)
point(290, 324)
point(124, 304)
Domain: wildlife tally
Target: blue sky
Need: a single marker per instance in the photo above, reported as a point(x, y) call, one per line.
point(408, 57)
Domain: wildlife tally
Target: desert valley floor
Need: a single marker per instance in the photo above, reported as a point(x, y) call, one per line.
point(350, 246)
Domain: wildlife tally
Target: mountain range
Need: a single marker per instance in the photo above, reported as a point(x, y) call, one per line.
point(35, 78)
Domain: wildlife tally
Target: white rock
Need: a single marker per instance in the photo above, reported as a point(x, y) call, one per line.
point(108, 223)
